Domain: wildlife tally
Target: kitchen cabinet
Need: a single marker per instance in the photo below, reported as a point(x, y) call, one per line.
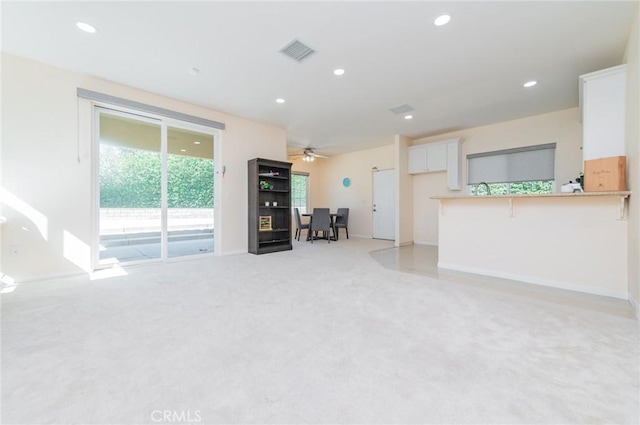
point(602, 103)
point(445, 155)
point(417, 159)
point(437, 157)
point(427, 158)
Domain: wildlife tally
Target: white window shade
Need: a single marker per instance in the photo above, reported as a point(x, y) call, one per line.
point(512, 165)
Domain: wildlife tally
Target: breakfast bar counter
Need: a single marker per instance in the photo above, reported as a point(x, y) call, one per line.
point(575, 241)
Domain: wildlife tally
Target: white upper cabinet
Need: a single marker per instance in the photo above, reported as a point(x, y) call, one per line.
point(602, 102)
point(445, 155)
point(417, 159)
point(436, 157)
point(427, 157)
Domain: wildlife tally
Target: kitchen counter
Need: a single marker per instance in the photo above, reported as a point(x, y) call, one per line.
point(575, 241)
point(621, 195)
point(536, 195)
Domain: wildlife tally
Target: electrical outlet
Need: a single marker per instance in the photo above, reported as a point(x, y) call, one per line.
point(14, 250)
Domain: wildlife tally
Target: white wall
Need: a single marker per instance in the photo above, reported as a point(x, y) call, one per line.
point(46, 166)
point(632, 58)
point(327, 189)
point(561, 127)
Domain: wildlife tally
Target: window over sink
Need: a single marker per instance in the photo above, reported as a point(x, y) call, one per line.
point(525, 170)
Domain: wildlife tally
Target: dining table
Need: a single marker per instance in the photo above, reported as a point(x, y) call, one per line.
point(333, 222)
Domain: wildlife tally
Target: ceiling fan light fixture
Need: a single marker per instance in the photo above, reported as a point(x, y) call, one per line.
point(308, 156)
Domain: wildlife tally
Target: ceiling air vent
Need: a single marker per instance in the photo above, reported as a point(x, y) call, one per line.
point(297, 51)
point(401, 109)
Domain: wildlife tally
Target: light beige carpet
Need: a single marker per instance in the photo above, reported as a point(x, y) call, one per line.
point(320, 334)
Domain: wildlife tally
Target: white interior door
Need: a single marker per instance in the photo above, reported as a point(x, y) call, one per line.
point(384, 208)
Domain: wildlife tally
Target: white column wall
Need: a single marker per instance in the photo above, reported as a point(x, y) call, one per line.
point(404, 193)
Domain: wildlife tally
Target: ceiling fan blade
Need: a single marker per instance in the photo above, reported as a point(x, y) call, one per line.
point(320, 156)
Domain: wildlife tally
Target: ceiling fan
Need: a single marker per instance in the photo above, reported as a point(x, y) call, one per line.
point(308, 155)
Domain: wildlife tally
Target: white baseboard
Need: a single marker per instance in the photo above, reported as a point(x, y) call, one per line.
point(351, 235)
point(224, 254)
point(636, 307)
point(52, 276)
point(425, 243)
point(405, 243)
point(538, 281)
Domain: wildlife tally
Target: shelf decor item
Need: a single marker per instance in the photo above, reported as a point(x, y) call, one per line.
point(265, 223)
point(605, 174)
point(269, 192)
point(265, 185)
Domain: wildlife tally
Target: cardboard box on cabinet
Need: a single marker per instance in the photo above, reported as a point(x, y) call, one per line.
point(605, 174)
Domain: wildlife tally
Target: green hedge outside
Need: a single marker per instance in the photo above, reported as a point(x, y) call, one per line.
point(131, 178)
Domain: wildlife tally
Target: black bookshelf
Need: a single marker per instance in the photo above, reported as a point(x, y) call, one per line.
point(269, 206)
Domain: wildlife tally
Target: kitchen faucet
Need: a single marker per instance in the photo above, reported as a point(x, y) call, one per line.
point(485, 185)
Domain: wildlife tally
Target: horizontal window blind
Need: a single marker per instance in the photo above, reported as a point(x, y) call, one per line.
point(529, 163)
point(118, 101)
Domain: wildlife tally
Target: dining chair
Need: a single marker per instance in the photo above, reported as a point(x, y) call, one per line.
point(342, 221)
point(321, 222)
point(299, 224)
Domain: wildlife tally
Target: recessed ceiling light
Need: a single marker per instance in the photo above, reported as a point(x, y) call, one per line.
point(183, 150)
point(530, 83)
point(339, 71)
point(442, 20)
point(196, 143)
point(408, 117)
point(280, 100)
point(86, 27)
point(194, 71)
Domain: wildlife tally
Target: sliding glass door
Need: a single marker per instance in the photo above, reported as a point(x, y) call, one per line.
point(155, 185)
point(189, 192)
point(130, 184)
